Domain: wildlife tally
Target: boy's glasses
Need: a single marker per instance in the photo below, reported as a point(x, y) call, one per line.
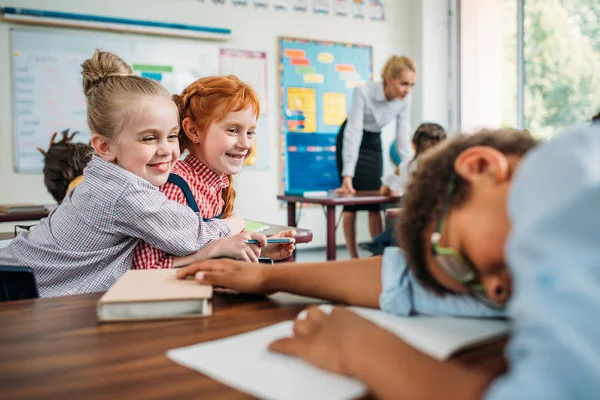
point(457, 266)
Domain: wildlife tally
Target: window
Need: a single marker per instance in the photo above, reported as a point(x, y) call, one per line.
point(529, 63)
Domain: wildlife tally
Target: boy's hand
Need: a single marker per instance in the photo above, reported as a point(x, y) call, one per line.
point(283, 250)
point(236, 275)
point(327, 341)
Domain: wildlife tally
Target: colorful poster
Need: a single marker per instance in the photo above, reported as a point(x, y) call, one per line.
point(321, 6)
point(317, 84)
point(281, 5)
point(218, 1)
point(261, 4)
point(340, 7)
point(376, 10)
point(300, 5)
point(242, 3)
point(334, 108)
point(250, 67)
point(301, 112)
point(358, 9)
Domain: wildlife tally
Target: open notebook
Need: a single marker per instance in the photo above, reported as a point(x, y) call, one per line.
point(244, 363)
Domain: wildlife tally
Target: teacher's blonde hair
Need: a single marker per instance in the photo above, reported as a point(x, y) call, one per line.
point(395, 65)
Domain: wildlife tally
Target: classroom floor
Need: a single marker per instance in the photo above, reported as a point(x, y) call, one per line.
point(319, 254)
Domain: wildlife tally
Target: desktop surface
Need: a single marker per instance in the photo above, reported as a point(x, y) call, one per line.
point(55, 348)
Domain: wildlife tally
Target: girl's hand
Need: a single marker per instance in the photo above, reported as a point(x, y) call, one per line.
point(283, 250)
point(347, 187)
point(236, 223)
point(327, 341)
point(236, 247)
point(235, 275)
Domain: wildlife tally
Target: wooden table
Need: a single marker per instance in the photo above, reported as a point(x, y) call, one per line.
point(54, 349)
point(18, 217)
point(331, 201)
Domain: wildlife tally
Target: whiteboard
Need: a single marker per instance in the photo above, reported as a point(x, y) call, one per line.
point(47, 84)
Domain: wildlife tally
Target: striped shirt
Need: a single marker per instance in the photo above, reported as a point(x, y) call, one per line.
point(207, 188)
point(87, 242)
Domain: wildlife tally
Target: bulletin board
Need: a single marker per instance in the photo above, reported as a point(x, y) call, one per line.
point(46, 79)
point(317, 84)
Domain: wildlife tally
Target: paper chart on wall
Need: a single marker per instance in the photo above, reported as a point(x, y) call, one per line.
point(300, 5)
point(340, 7)
point(318, 81)
point(281, 5)
point(264, 4)
point(358, 9)
point(321, 6)
point(46, 79)
point(376, 10)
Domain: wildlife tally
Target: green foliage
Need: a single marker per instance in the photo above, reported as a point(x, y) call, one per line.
point(562, 63)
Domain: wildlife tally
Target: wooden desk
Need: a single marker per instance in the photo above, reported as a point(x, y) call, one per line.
point(302, 235)
point(7, 235)
point(54, 348)
point(18, 217)
point(330, 202)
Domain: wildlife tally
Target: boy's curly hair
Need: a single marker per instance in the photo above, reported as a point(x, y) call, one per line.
point(421, 202)
point(63, 162)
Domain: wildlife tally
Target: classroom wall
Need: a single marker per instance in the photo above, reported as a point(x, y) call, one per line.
point(252, 30)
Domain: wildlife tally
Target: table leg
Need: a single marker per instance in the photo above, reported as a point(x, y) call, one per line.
point(291, 206)
point(331, 233)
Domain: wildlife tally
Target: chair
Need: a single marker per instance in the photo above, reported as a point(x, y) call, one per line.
point(17, 283)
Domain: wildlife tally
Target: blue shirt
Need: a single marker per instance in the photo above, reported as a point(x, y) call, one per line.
point(403, 295)
point(554, 256)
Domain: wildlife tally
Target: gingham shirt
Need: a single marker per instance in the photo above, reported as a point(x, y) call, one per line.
point(87, 243)
point(206, 186)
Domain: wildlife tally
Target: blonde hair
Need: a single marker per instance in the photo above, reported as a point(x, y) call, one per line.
point(111, 88)
point(209, 100)
point(395, 65)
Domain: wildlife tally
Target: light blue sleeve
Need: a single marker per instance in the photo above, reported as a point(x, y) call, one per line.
point(402, 295)
point(554, 254)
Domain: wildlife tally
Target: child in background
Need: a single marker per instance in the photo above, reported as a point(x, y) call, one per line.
point(218, 117)
point(426, 136)
point(482, 216)
point(87, 242)
point(64, 163)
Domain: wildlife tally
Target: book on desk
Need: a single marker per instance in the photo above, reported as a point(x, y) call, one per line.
point(22, 208)
point(154, 294)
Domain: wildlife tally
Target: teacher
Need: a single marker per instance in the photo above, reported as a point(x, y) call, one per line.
point(358, 148)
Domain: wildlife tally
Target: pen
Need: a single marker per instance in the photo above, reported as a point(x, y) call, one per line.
point(274, 240)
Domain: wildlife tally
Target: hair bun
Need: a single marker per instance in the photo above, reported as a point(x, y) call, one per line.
point(100, 66)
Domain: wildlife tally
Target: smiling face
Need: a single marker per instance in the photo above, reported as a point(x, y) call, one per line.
point(400, 87)
point(226, 143)
point(147, 144)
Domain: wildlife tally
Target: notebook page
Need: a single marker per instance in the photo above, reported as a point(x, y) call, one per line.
point(244, 363)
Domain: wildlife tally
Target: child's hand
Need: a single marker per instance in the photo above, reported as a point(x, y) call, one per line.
point(384, 190)
point(236, 247)
point(236, 275)
point(236, 223)
point(326, 340)
point(283, 250)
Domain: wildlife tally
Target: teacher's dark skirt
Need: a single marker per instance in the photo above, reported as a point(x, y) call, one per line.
point(369, 167)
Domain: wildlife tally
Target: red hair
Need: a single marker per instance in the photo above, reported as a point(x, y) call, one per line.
point(209, 100)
